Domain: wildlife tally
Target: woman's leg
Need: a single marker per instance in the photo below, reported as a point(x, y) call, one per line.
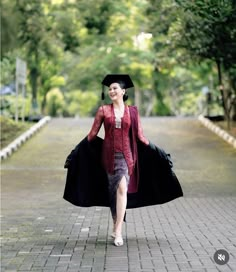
point(121, 202)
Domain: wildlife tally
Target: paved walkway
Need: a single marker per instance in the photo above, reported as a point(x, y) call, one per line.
point(42, 232)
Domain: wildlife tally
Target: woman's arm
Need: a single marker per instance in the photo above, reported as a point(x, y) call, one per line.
point(141, 137)
point(96, 124)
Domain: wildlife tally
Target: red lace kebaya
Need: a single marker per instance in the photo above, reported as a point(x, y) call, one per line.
point(116, 139)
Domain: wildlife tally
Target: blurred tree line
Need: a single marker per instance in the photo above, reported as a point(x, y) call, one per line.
point(173, 50)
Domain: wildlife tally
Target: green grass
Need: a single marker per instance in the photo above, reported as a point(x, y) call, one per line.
point(10, 130)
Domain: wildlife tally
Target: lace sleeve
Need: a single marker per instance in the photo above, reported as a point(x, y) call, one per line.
point(141, 137)
point(98, 120)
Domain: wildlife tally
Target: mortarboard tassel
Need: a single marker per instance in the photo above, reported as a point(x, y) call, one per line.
point(103, 92)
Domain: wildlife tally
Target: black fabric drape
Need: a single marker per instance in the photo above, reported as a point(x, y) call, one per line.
point(87, 185)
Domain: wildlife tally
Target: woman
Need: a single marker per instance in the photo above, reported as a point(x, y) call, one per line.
point(117, 157)
point(124, 170)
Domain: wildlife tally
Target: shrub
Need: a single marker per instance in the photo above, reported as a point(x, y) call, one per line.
point(80, 103)
point(55, 102)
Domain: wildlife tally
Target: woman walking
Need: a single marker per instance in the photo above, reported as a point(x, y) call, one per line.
point(117, 157)
point(114, 172)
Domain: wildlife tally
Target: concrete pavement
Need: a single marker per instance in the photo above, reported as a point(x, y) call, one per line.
point(42, 232)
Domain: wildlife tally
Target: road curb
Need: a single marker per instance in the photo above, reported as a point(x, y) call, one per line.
point(13, 146)
point(217, 130)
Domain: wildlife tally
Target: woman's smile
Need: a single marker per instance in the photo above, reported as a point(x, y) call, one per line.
point(115, 91)
point(113, 95)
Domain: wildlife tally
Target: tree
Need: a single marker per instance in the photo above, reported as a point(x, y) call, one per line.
point(33, 34)
point(207, 31)
point(190, 32)
point(41, 24)
point(9, 20)
point(161, 15)
point(108, 46)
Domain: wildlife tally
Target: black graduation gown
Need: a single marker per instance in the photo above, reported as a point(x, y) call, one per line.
point(87, 183)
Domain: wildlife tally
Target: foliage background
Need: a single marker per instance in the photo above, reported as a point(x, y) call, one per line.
point(171, 49)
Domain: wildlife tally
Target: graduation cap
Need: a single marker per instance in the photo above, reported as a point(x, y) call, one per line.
point(117, 78)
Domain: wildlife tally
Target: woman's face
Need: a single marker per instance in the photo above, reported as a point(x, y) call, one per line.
point(116, 92)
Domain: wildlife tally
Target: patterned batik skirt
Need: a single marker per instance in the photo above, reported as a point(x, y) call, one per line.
point(120, 170)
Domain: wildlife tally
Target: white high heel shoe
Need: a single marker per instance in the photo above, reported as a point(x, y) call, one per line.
point(118, 241)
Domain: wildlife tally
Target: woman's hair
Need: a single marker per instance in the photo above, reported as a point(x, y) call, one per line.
point(122, 85)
